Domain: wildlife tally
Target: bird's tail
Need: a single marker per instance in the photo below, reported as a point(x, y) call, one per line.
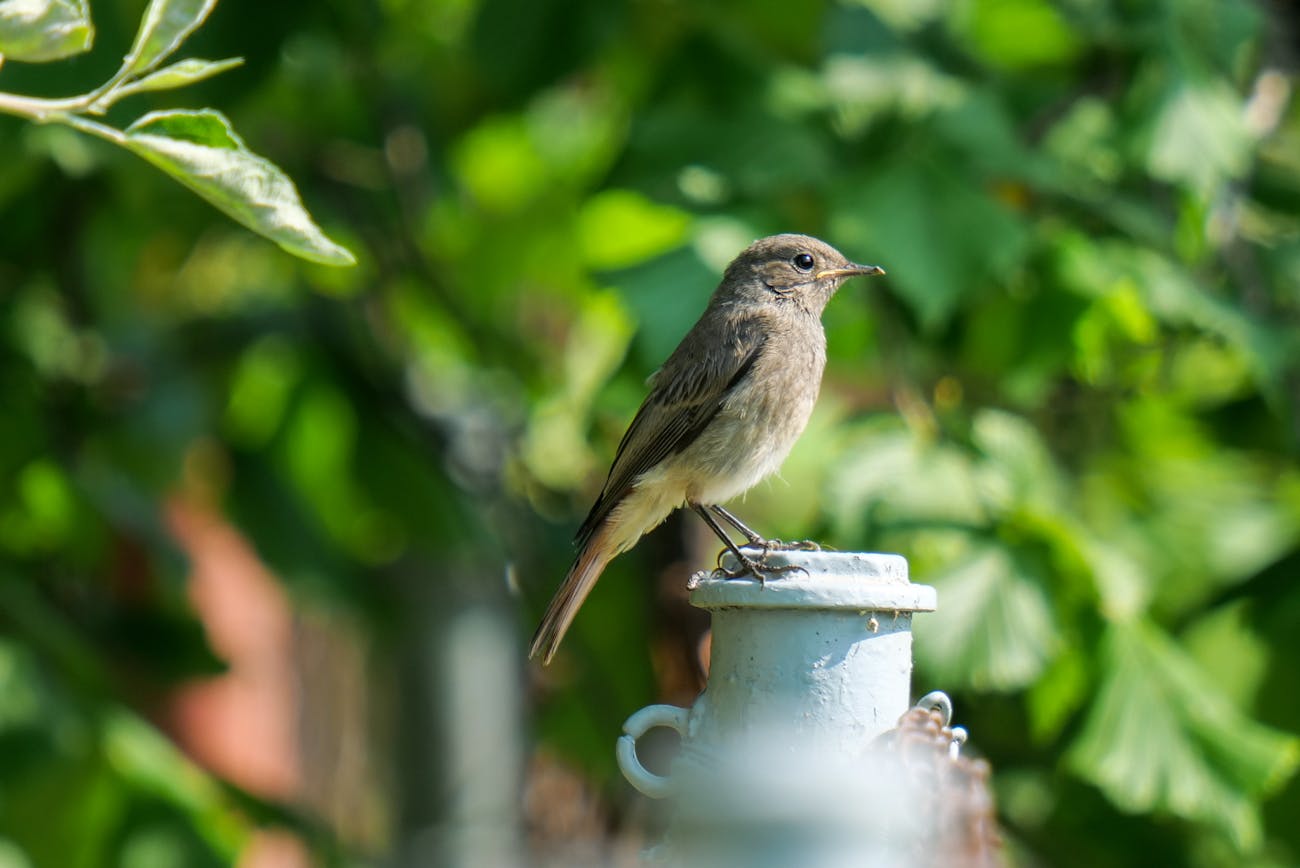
point(586, 569)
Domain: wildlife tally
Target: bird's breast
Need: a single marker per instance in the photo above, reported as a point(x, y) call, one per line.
point(760, 420)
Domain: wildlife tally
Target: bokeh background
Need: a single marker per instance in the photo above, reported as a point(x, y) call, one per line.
point(272, 535)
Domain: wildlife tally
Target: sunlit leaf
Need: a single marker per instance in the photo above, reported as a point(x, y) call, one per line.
point(165, 25)
point(1018, 469)
point(47, 509)
point(994, 628)
point(554, 447)
point(890, 476)
point(1123, 585)
point(144, 757)
point(178, 75)
point(621, 228)
point(1160, 737)
point(1234, 655)
point(41, 30)
point(499, 165)
point(1200, 137)
point(1084, 140)
point(319, 456)
point(862, 88)
point(1172, 295)
point(596, 344)
point(260, 390)
point(996, 31)
point(199, 149)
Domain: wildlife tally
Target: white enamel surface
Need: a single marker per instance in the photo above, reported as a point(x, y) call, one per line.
point(653, 785)
point(820, 658)
point(780, 764)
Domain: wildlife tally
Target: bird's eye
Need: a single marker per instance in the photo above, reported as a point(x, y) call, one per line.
point(803, 261)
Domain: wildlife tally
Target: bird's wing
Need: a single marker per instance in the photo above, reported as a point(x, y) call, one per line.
point(686, 394)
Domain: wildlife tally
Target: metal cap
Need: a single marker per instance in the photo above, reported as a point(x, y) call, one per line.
point(825, 580)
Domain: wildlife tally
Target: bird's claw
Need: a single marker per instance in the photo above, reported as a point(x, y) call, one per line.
point(756, 568)
point(802, 545)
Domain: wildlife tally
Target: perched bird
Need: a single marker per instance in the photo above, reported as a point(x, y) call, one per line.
point(722, 414)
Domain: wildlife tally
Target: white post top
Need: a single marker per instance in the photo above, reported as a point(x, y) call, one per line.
point(806, 670)
point(827, 580)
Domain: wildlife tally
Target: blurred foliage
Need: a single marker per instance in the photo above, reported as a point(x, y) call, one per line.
point(197, 148)
point(1073, 404)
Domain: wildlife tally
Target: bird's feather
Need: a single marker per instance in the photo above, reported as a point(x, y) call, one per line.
point(579, 581)
point(686, 393)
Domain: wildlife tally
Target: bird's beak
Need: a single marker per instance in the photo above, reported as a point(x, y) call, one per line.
point(850, 271)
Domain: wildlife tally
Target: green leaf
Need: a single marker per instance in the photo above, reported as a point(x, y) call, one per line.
point(889, 475)
point(39, 30)
point(1057, 694)
point(499, 166)
point(177, 75)
point(199, 149)
point(622, 228)
point(555, 446)
point(905, 15)
point(320, 454)
point(665, 295)
point(260, 390)
point(165, 26)
point(995, 30)
point(144, 757)
point(206, 127)
point(863, 88)
point(912, 208)
point(1225, 643)
point(1200, 136)
point(994, 628)
point(1018, 468)
point(1173, 295)
point(1161, 737)
point(1083, 141)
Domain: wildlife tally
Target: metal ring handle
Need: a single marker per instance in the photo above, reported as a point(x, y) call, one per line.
point(937, 700)
point(653, 785)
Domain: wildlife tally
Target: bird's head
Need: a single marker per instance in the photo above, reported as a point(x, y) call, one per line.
point(797, 268)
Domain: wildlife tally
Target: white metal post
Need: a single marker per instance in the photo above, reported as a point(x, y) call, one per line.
point(777, 765)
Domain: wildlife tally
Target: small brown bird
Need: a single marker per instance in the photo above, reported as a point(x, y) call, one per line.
point(722, 414)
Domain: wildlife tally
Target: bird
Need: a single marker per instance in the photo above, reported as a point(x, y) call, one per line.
point(722, 413)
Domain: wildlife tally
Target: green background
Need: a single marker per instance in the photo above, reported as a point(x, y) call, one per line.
point(1073, 403)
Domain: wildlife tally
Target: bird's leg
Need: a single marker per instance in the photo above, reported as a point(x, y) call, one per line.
point(748, 566)
point(767, 545)
point(748, 532)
